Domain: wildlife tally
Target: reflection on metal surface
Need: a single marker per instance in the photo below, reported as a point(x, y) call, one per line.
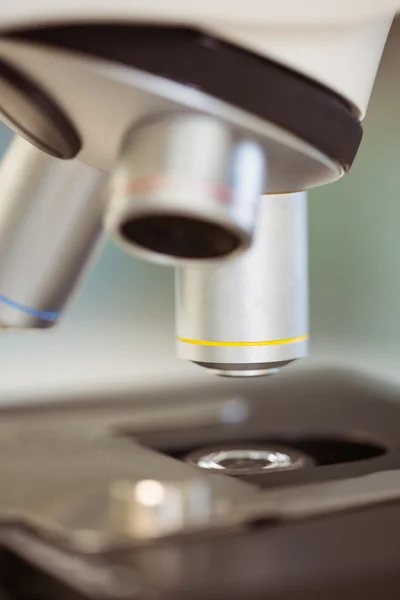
point(150, 508)
point(243, 371)
point(252, 460)
point(149, 492)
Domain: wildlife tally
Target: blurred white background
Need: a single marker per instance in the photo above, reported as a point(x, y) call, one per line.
point(119, 332)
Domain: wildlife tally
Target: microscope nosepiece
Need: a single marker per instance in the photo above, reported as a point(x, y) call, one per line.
point(249, 317)
point(186, 188)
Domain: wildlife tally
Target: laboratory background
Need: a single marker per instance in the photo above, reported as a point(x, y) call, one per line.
point(118, 335)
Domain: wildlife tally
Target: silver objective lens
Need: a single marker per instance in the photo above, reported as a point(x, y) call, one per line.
point(249, 317)
point(50, 222)
point(186, 187)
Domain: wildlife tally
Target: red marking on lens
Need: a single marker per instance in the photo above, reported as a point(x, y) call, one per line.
point(145, 185)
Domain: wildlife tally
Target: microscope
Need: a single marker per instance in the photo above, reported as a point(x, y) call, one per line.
point(190, 133)
point(192, 136)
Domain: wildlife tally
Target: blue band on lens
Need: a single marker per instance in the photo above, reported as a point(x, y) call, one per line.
point(45, 315)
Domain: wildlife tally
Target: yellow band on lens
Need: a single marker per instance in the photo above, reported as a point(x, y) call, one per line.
point(300, 338)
